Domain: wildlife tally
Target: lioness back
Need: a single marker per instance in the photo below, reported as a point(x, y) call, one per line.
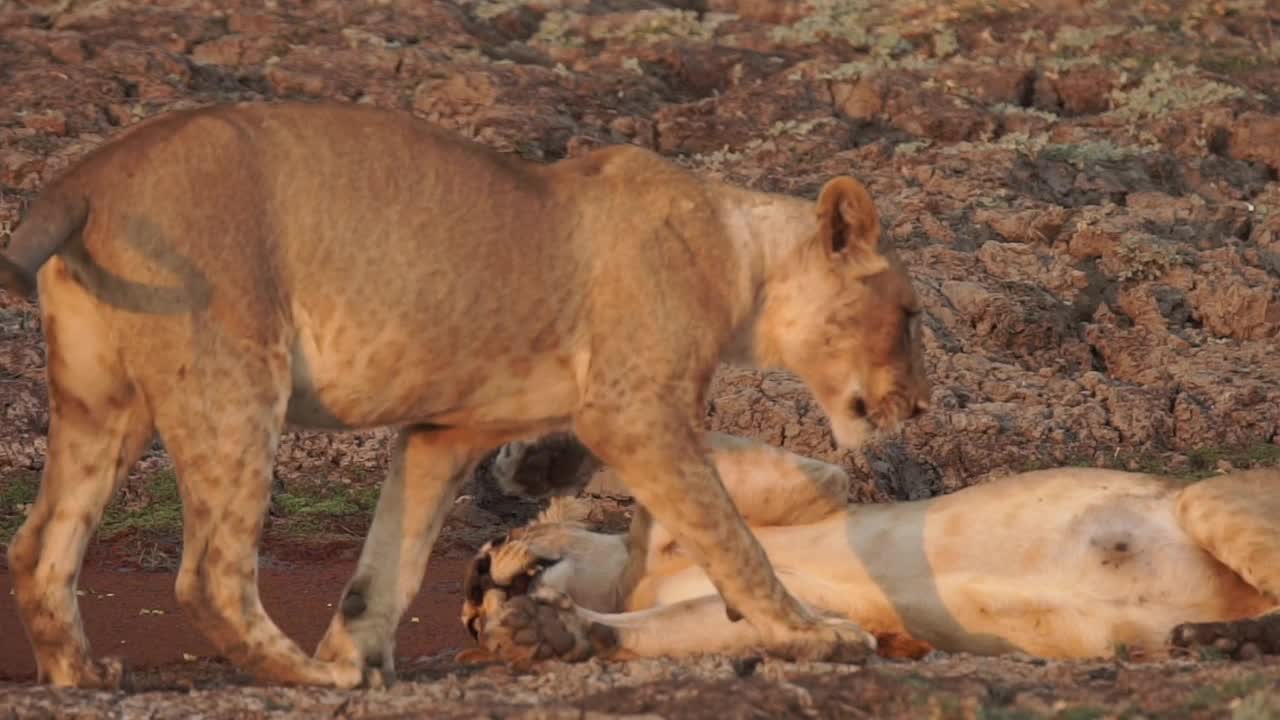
point(383, 243)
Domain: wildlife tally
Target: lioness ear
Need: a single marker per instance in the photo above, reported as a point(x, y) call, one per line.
point(847, 217)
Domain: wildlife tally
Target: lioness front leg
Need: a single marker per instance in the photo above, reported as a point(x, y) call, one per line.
point(657, 450)
point(427, 468)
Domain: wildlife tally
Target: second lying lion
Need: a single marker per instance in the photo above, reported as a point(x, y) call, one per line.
point(1063, 563)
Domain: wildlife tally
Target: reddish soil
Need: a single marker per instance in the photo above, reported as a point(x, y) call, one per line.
point(133, 614)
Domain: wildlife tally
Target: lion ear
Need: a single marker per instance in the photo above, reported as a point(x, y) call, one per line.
point(848, 221)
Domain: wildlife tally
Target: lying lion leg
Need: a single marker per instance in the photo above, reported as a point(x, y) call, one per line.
point(556, 464)
point(1236, 518)
point(98, 427)
point(223, 449)
point(543, 625)
point(659, 456)
point(768, 484)
point(1240, 639)
point(546, 624)
point(427, 468)
point(507, 462)
point(774, 486)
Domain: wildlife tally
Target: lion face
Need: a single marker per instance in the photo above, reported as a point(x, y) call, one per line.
point(842, 314)
point(504, 567)
point(558, 550)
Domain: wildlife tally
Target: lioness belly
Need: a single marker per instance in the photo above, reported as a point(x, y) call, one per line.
point(378, 376)
point(425, 281)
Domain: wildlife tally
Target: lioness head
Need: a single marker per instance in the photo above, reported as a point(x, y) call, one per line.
point(841, 313)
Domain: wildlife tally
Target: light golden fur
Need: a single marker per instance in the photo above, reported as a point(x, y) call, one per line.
point(214, 274)
point(1064, 563)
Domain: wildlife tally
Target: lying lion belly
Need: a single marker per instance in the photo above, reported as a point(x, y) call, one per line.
point(1046, 564)
point(1076, 612)
point(1108, 567)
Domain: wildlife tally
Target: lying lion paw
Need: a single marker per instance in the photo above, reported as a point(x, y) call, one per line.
point(1239, 639)
point(900, 646)
point(825, 640)
point(541, 626)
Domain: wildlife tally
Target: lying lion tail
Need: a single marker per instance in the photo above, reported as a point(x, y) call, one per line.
point(52, 220)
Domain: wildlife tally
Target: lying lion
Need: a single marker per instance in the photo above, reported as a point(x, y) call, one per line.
point(1064, 563)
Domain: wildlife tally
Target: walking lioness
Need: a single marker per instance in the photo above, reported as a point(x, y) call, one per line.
point(215, 274)
point(1065, 563)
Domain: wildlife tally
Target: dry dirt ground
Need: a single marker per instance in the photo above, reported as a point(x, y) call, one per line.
point(1087, 193)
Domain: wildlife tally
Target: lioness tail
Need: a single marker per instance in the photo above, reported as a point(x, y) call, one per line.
point(52, 220)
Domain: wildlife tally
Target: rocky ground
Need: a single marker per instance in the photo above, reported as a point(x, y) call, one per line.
point(1087, 193)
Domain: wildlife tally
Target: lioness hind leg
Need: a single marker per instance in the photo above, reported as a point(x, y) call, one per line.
point(1236, 518)
point(98, 427)
point(221, 423)
point(427, 468)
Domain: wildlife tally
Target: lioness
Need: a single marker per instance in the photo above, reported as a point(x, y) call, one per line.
point(1064, 563)
point(214, 274)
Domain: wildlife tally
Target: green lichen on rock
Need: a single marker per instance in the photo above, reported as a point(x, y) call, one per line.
point(557, 29)
point(876, 63)
point(716, 160)
point(945, 43)
point(1090, 152)
point(1167, 89)
point(1145, 257)
point(489, 9)
point(1005, 109)
point(560, 28)
point(1070, 38)
point(845, 20)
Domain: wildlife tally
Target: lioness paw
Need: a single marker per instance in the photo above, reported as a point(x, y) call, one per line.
point(108, 673)
point(1239, 639)
point(543, 625)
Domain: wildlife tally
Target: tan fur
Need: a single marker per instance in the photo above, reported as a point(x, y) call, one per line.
point(1065, 563)
point(215, 274)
